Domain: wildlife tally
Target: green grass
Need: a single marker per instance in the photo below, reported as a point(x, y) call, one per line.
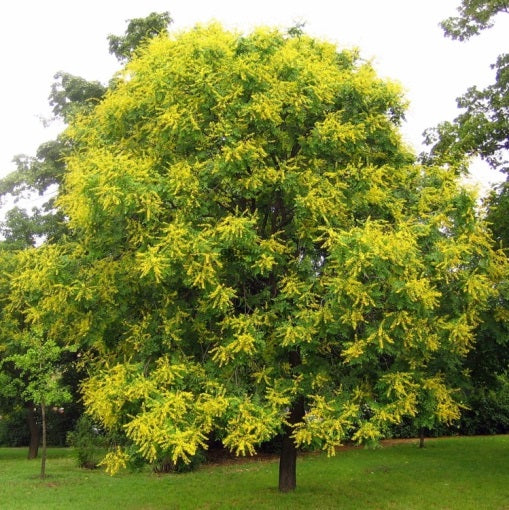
point(454, 473)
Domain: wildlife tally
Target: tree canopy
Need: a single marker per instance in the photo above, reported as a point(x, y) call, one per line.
point(42, 174)
point(34, 283)
point(255, 251)
point(473, 17)
point(139, 31)
point(482, 128)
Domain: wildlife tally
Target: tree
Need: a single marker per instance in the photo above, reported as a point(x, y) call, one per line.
point(139, 31)
point(474, 16)
point(12, 383)
point(33, 283)
point(498, 212)
point(262, 255)
point(70, 95)
point(32, 360)
point(37, 361)
point(482, 129)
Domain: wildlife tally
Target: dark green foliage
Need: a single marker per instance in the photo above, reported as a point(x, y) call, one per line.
point(297, 29)
point(482, 128)
point(408, 428)
point(13, 427)
point(166, 465)
point(488, 411)
point(14, 431)
point(35, 174)
point(72, 94)
point(138, 31)
point(498, 214)
point(39, 175)
point(474, 16)
point(20, 230)
point(88, 441)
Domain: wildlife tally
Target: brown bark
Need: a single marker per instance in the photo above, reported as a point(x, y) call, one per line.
point(288, 457)
point(33, 447)
point(43, 456)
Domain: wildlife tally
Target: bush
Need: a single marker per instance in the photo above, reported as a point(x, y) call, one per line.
point(488, 411)
point(166, 465)
point(88, 441)
point(13, 428)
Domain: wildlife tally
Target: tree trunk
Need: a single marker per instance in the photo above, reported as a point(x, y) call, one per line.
point(33, 447)
point(421, 437)
point(288, 457)
point(43, 456)
point(288, 464)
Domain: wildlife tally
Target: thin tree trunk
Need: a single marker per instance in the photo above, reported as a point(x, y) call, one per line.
point(33, 447)
point(421, 437)
point(43, 457)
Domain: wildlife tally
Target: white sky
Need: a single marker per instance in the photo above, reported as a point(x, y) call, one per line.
point(402, 37)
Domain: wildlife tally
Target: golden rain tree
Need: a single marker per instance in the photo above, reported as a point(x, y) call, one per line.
point(261, 255)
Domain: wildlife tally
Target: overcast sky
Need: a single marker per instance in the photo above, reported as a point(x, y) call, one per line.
point(402, 37)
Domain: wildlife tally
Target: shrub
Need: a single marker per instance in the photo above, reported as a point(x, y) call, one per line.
point(89, 442)
point(13, 428)
point(488, 411)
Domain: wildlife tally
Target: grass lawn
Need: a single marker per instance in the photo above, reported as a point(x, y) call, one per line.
point(454, 473)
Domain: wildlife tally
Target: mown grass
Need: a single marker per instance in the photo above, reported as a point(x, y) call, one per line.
point(453, 473)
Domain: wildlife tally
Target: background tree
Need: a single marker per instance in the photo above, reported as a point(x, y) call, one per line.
point(38, 363)
point(474, 17)
point(262, 256)
point(12, 382)
point(482, 129)
point(139, 31)
point(32, 348)
point(42, 174)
